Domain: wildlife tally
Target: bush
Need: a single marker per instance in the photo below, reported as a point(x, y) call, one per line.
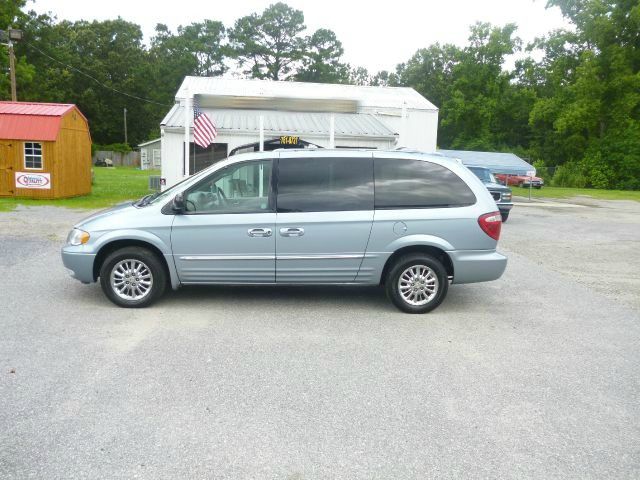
point(599, 173)
point(114, 147)
point(569, 175)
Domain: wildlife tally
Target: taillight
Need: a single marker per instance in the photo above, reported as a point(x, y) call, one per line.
point(491, 224)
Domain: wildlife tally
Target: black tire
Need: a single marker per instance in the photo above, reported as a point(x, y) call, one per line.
point(156, 272)
point(505, 216)
point(401, 265)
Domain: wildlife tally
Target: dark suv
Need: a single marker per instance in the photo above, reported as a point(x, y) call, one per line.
point(500, 193)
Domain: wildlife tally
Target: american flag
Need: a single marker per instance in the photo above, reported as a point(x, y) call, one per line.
point(204, 131)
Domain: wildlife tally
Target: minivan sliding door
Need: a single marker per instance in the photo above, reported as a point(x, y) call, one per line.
point(324, 216)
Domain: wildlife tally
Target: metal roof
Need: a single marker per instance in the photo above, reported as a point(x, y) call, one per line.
point(155, 140)
point(366, 96)
point(508, 163)
point(32, 121)
point(29, 108)
point(275, 122)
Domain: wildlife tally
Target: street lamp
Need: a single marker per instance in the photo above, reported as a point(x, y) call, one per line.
point(12, 35)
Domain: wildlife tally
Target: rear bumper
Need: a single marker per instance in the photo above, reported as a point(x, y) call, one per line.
point(470, 266)
point(80, 265)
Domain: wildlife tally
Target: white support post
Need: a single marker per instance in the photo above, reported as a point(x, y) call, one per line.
point(403, 135)
point(332, 131)
point(187, 134)
point(261, 133)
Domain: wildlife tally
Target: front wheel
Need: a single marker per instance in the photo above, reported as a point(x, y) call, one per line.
point(132, 277)
point(417, 283)
point(505, 216)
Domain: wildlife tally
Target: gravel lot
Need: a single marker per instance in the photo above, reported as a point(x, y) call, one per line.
point(532, 376)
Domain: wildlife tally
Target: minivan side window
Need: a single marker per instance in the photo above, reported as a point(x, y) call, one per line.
point(237, 188)
point(325, 184)
point(418, 184)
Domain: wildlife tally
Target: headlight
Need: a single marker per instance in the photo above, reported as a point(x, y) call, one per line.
point(506, 196)
point(78, 237)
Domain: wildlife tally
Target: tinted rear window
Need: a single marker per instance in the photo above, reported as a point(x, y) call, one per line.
point(418, 184)
point(325, 184)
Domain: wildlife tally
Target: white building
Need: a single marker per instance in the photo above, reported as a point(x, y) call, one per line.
point(150, 155)
point(252, 115)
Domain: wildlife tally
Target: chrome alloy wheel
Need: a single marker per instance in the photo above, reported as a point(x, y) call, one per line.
point(418, 285)
point(131, 279)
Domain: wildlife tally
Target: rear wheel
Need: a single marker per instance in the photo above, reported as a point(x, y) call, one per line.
point(133, 277)
point(417, 283)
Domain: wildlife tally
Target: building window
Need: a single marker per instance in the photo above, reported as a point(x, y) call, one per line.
point(33, 155)
point(201, 158)
point(156, 158)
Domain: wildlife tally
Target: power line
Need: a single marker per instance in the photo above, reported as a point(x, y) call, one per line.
point(135, 97)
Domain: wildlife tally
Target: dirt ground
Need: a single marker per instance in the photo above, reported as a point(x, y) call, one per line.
point(534, 375)
point(595, 242)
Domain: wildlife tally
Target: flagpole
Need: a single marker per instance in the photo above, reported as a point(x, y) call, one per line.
point(187, 128)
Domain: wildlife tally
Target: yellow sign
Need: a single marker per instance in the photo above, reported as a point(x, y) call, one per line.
point(289, 140)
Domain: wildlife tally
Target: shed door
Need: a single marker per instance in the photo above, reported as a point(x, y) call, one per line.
point(6, 169)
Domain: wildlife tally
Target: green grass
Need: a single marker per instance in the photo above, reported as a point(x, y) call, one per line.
point(110, 186)
point(560, 192)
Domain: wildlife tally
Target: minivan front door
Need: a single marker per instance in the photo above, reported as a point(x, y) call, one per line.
point(227, 233)
point(325, 212)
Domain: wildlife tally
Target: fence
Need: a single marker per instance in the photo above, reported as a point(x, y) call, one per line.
point(129, 159)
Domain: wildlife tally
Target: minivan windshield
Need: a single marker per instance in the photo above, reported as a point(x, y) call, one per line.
point(483, 174)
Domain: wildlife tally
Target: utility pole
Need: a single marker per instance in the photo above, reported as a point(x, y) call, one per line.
point(12, 70)
point(12, 35)
point(126, 140)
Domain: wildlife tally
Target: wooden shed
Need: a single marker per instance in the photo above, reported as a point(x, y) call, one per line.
point(45, 150)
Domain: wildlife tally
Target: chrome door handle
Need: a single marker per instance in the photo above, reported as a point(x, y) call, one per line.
point(292, 232)
point(259, 232)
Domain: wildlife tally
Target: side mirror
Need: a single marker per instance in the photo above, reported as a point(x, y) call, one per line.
point(179, 205)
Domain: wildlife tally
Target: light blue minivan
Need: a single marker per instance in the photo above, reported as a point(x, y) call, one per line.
point(412, 222)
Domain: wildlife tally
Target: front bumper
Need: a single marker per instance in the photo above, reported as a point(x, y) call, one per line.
point(504, 207)
point(470, 266)
point(79, 263)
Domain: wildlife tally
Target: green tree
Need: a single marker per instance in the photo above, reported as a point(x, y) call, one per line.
point(588, 111)
point(480, 107)
point(200, 46)
point(321, 59)
point(270, 44)
point(11, 15)
point(96, 65)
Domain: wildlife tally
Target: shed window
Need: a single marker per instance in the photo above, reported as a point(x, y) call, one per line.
point(32, 155)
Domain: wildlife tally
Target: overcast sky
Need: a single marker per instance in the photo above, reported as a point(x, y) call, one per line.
point(375, 34)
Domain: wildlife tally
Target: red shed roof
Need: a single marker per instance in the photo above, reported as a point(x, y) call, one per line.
point(32, 121)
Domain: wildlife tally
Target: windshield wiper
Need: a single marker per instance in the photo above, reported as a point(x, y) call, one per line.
point(145, 200)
